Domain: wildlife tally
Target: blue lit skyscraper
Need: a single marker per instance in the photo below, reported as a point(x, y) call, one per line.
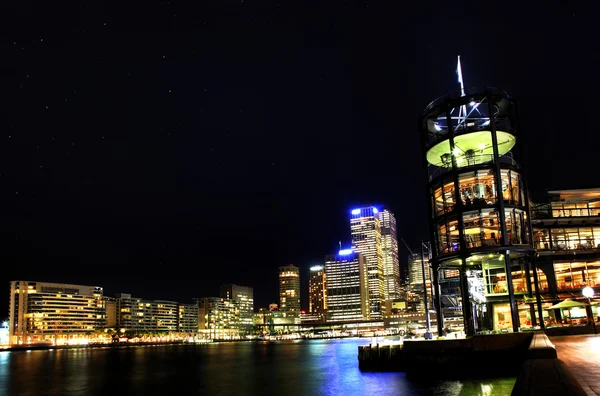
point(347, 287)
point(366, 239)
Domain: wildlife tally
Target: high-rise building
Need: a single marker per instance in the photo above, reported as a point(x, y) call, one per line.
point(289, 291)
point(243, 297)
point(317, 290)
point(415, 279)
point(187, 318)
point(389, 253)
point(347, 287)
point(366, 239)
point(54, 312)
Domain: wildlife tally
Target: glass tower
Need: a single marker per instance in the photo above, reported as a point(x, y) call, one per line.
point(389, 253)
point(365, 229)
point(479, 209)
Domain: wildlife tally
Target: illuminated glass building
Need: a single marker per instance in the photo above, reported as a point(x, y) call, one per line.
point(347, 287)
point(566, 230)
point(243, 298)
point(389, 254)
point(479, 208)
point(317, 290)
point(289, 291)
point(53, 311)
point(366, 239)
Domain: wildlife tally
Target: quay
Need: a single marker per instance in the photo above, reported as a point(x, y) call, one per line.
point(531, 357)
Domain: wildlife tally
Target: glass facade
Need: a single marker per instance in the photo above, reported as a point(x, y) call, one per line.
point(389, 253)
point(366, 239)
point(317, 290)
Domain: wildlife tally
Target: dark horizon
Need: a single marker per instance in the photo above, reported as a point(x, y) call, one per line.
point(163, 150)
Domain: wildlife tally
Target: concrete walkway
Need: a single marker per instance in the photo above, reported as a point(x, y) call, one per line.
point(581, 354)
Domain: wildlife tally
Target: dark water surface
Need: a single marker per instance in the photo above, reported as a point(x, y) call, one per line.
point(311, 367)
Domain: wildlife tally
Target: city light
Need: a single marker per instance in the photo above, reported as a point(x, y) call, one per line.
point(316, 268)
point(375, 210)
point(345, 252)
point(355, 211)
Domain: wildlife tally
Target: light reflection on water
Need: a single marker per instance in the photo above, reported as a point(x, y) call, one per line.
point(315, 367)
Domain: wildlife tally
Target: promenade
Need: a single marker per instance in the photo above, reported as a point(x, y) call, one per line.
point(581, 354)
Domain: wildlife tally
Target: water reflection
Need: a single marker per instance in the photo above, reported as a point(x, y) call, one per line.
point(315, 367)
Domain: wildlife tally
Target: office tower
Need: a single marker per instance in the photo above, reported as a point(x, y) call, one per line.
point(187, 318)
point(217, 318)
point(289, 291)
point(317, 290)
point(415, 280)
point(478, 208)
point(366, 239)
point(347, 287)
point(243, 297)
point(44, 311)
point(389, 253)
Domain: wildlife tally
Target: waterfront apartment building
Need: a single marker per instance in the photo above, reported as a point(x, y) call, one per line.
point(218, 318)
point(187, 318)
point(389, 254)
point(45, 311)
point(347, 287)
point(317, 290)
point(366, 239)
point(135, 314)
point(243, 298)
point(289, 291)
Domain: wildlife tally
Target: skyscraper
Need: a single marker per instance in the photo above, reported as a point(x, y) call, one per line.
point(243, 298)
point(347, 286)
point(366, 239)
point(317, 290)
point(289, 290)
point(389, 250)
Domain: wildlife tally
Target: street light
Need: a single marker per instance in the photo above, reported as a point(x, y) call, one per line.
point(588, 293)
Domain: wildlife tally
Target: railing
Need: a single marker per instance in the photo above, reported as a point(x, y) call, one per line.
point(435, 171)
point(567, 244)
point(477, 92)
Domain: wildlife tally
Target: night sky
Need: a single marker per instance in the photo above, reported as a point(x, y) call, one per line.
point(162, 149)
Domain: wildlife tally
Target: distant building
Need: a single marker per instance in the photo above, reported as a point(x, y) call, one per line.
point(217, 318)
point(135, 314)
point(187, 321)
point(111, 312)
point(53, 311)
point(289, 291)
point(347, 287)
point(317, 290)
point(243, 297)
point(389, 254)
point(366, 239)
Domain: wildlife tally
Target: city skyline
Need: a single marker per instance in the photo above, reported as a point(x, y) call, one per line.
point(126, 152)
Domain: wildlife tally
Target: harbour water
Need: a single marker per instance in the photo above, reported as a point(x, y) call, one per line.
point(302, 367)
